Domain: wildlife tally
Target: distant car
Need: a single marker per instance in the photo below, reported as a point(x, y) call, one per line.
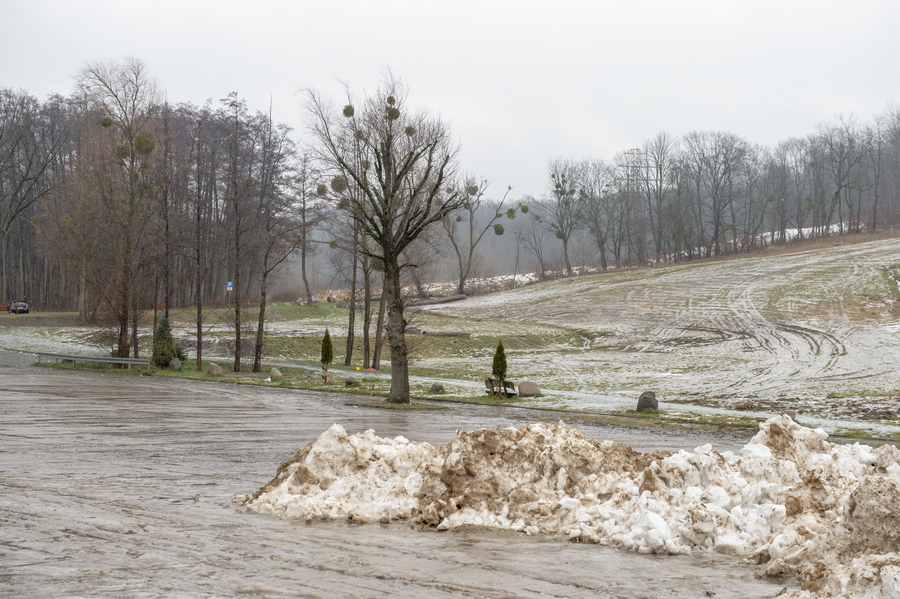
point(18, 308)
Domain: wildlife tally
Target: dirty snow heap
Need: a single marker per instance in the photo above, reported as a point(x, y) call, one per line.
point(789, 500)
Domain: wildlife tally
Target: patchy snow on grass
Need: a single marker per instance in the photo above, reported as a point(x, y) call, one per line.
point(812, 331)
point(789, 501)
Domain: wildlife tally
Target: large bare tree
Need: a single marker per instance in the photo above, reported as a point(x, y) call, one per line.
point(659, 155)
point(280, 227)
point(714, 159)
point(596, 180)
point(403, 165)
point(126, 98)
point(562, 209)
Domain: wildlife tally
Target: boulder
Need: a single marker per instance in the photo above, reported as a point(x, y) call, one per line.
point(647, 401)
point(436, 388)
point(275, 373)
point(214, 369)
point(528, 389)
point(350, 382)
point(175, 364)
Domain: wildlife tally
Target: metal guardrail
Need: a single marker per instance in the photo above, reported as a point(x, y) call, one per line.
point(101, 359)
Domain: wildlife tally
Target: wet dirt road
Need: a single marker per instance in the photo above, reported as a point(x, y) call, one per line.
point(121, 487)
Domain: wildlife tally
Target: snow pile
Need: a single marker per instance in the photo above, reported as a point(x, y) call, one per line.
point(789, 500)
point(360, 477)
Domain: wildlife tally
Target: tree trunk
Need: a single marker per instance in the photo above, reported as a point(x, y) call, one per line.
point(123, 348)
point(351, 319)
point(82, 291)
point(237, 320)
point(309, 298)
point(134, 329)
point(155, 302)
point(260, 325)
point(5, 296)
point(463, 271)
point(199, 365)
point(396, 332)
point(367, 312)
point(199, 286)
point(379, 332)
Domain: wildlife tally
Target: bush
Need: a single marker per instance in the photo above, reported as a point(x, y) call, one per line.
point(164, 348)
point(327, 353)
point(498, 369)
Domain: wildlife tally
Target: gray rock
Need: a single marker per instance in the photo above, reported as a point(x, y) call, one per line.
point(175, 364)
point(214, 369)
point(436, 388)
point(350, 382)
point(275, 373)
point(528, 389)
point(647, 401)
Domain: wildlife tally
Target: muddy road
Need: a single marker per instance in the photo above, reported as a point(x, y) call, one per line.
point(117, 486)
point(813, 331)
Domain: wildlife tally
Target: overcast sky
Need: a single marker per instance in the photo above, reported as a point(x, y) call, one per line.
point(519, 82)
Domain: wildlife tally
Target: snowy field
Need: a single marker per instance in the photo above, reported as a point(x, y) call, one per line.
point(812, 331)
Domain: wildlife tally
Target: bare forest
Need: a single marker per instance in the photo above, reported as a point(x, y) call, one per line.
point(121, 205)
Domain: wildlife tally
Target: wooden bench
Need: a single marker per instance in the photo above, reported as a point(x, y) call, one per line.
point(129, 362)
point(494, 388)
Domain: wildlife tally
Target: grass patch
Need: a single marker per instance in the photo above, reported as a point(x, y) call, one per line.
point(403, 407)
point(694, 418)
point(852, 433)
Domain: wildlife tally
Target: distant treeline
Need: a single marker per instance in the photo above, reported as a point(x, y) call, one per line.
point(113, 201)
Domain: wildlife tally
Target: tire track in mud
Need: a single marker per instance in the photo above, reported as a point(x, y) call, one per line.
point(791, 351)
point(771, 329)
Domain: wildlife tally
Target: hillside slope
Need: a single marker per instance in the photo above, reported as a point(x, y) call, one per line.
point(814, 330)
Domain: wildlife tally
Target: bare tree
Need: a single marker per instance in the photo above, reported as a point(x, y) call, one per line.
point(239, 192)
point(465, 233)
point(203, 157)
point(309, 212)
point(714, 159)
point(596, 181)
point(403, 164)
point(561, 209)
point(791, 204)
point(845, 155)
point(533, 237)
point(875, 136)
point(659, 153)
point(127, 98)
point(279, 226)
